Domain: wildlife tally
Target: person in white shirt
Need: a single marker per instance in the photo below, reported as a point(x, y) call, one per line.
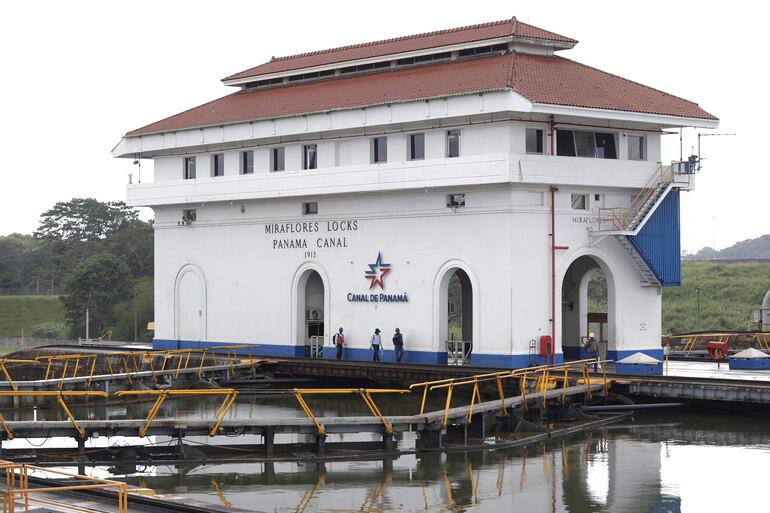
point(375, 344)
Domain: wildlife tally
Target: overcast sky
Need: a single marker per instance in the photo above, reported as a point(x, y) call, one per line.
point(77, 75)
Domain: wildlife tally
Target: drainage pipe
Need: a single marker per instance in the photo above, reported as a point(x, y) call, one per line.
point(554, 247)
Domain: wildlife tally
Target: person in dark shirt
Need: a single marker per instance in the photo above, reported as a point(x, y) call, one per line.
point(398, 344)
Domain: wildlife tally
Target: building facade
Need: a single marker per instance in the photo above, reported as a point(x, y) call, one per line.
point(462, 185)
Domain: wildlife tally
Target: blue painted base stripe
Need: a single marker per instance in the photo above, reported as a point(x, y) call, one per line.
point(515, 361)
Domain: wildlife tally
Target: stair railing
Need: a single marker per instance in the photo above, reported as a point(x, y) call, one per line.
point(622, 217)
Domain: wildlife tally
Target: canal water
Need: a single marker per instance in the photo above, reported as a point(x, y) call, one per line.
point(656, 463)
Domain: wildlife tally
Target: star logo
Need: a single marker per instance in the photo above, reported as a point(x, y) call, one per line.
point(377, 272)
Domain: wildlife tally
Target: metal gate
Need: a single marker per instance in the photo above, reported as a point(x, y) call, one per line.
point(314, 348)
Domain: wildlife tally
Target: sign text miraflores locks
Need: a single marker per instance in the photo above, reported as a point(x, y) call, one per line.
point(307, 234)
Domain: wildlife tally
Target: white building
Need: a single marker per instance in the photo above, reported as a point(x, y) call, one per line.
point(347, 187)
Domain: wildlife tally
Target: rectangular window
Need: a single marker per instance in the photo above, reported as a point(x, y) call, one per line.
point(247, 162)
point(188, 216)
point(584, 144)
point(218, 164)
point(379, 149)
point(580, 143)
point(605, 146)
point(277, 159)
point(310, 156)
point(565, 143)
point(416, 146)
point(309, 208)
point(189, 168)
point(635, 147)
point(535, 141)
point(453, 143)
point(579, 201)
point(455, 200)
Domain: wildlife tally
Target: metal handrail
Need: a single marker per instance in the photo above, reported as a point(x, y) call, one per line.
point(365, 394)
point(229, 393)
point(19, 473)
point(50, 393)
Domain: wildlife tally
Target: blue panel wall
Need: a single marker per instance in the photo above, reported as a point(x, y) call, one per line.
point(658, 241)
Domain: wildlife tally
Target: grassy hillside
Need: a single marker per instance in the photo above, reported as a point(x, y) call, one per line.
point(24, 312)
point(728, 294)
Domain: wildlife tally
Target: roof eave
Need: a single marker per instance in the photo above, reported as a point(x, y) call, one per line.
point(664, 120)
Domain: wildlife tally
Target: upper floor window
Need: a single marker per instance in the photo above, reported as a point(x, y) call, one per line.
point(416, 146)
point(310, 156)
point(189, 168)
point(453, 143)
point(535, 141)
point(636, 147)
point(309, 208)
point(580, 143)
point(455, 200)
point(579, 201)
point(379, 149)
point(247, 162)
point(277, 162)
point(218, 164)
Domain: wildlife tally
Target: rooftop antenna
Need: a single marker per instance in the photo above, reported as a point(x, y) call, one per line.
point(708, 135)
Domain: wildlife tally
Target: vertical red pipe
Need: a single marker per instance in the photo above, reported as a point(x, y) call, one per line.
point(554, 247)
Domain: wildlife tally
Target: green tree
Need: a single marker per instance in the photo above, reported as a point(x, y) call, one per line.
point(98, 283)
point(82, 219)
point(134, 243)
point(132, 315)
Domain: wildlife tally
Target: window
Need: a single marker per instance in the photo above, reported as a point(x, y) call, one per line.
point(218, 164)
point(453, 143)
point(309, 208)
point(188, 216)
point(310, 156)
point(189, 168)
point(277, 159)
point(584, 144)
point(455, 200)
point(379, 149)
point(635, 147)
point(579, 143)
point(535, 141)
point(416, 146)
point(579, 201)
point(605, 146)
point(247, 162)
point(565, 144)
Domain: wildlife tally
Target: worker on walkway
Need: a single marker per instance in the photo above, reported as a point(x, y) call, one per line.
point(592, 348)
point(339, 340)
point(375, 344)
point(398, 345)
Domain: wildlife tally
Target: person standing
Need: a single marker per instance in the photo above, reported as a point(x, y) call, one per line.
point(339, 340)
point(592, 347)
point(375, 344)
point(398, 345)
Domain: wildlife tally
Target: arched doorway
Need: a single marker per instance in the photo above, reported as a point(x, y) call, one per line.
point(458, 325)
point(311, 313)
point(587, 306)
point(190, 305)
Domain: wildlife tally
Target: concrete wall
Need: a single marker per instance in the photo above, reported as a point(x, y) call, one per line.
point(500, 239)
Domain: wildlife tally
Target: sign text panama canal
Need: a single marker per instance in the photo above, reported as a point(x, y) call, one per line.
point(311, 234)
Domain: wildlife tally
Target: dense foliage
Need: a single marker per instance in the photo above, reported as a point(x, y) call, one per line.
point(96, 255)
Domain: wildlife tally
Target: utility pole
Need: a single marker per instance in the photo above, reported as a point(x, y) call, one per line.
point(87, 323)
point(697, 315)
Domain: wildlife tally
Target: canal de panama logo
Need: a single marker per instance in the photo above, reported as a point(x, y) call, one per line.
point(376, 276)
point(377, 272)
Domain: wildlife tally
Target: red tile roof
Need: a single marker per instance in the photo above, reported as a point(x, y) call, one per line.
point(541, 79)
point(484, 31)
